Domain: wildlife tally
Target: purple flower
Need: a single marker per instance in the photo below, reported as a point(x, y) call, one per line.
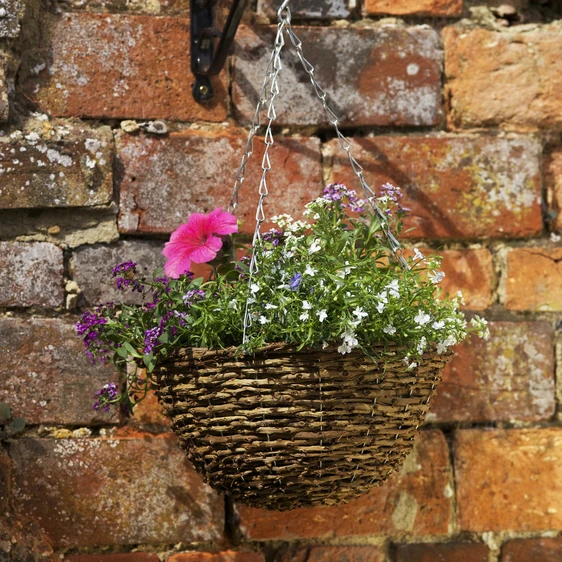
point(151, 335)
point(339, 192)
point(295, 281)
point(274, 237)
point(192, 296)
point(108, 394)
point(91, 328)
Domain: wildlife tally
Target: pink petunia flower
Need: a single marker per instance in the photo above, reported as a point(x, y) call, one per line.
point(195, 241)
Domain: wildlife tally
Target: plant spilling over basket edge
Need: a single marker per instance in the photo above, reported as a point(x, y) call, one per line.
point(256, 364)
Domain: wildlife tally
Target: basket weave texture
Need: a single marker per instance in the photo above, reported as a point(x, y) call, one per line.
point(282, 429)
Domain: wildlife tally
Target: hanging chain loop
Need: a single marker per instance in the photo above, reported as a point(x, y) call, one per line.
point(268, 93)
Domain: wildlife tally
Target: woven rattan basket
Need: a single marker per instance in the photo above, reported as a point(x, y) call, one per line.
point(282, 429)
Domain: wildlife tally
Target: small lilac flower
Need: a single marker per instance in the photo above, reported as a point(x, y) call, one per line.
point(295, 281)
point(192, 296)
point(105, 396)
point(274, 237)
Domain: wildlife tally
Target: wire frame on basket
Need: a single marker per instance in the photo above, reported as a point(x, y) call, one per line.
point(283, 429)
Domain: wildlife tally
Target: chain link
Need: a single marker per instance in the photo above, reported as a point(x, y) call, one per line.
point(268, 93)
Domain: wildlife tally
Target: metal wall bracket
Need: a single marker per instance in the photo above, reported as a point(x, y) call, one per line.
point(206, 60)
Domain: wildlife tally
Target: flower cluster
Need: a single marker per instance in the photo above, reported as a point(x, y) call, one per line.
point(329, 280)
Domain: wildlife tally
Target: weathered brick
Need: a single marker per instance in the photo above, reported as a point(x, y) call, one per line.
point(149, 7)
point(75, 171)
point(456, 186)
point(148, 414)
point(306, 9)
point(124, 557)
point(390, 75)
point(445, 552)
point(479, 64)
point(417, 501)
point(532, 550)
point(468, 271)
point(10, 22)
point(165, 180)
point(508, 377)
point(332, 554)
point(533, 279)
point(116, 490)
point(509, 480)
point(4, 99)
point(92, 267)
point(138, 67)
point(45, 376)
point(225, 556)
point(31, 274)
point(553, 180)
point(436, 8)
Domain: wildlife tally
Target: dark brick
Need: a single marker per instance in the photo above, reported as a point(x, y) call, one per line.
point(45, 376)
point(532, 550)
point(445, 552)
point(332, 554)
point(118, 490)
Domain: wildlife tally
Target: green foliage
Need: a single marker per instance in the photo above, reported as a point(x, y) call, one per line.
point(9, 426)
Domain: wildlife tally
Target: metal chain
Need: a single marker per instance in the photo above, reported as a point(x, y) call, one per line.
point(346, 145)
point(268, 93)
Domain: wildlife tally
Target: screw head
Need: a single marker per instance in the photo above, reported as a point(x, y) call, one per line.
point(203, 89)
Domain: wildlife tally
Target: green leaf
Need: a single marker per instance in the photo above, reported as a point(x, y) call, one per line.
point(16, 425)
point(5, 412)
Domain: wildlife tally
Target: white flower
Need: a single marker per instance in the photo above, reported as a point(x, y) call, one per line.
point(436, 276)
point(411, 366)
point(380, 307)
point(344, 348)
point(442, 346)
point(309, 270)
point(270, 306)
point(304, 316)
point(389, 330)
point(359, 313)
point(393, 288)
point(383, 297)
point(263, 320)
point(314, 247)
point(282, 220)
point(254, 288)
point(422, 345)
point(349, 338)
point(481, 326)
point(232, 304)
point(438, 325)
point(325, 344)
point(418, 255)
point(322, 315)
point(460, 297)
point(554, 237)
point(306, 305)
point(422, 318)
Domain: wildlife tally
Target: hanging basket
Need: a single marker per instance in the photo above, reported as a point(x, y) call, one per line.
point(282, 428)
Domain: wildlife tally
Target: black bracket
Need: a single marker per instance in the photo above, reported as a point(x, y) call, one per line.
point(206, 60)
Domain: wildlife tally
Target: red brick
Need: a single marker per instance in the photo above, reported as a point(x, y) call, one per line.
point(417, 501)
point(45, 376)
point(509, 480)
point(508, 377)
point(125, 557)
point(72, 167)
point(225, 556)
point(445, 552)
point(479, 64)
point(129, 489)
point(553, 180)
point(149, 7)
point(309, 9)
point(533, 279)
point(333, 554)
point(436, 8)
point(456, 186)
point(138, 67)
point(92, 266)
point(31, 274)
point(468, 271)
point(390, 75)
point(532, 550)
point(148, 413)
point(165, 180)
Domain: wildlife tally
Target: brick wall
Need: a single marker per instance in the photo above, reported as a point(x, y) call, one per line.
point(458, 104)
